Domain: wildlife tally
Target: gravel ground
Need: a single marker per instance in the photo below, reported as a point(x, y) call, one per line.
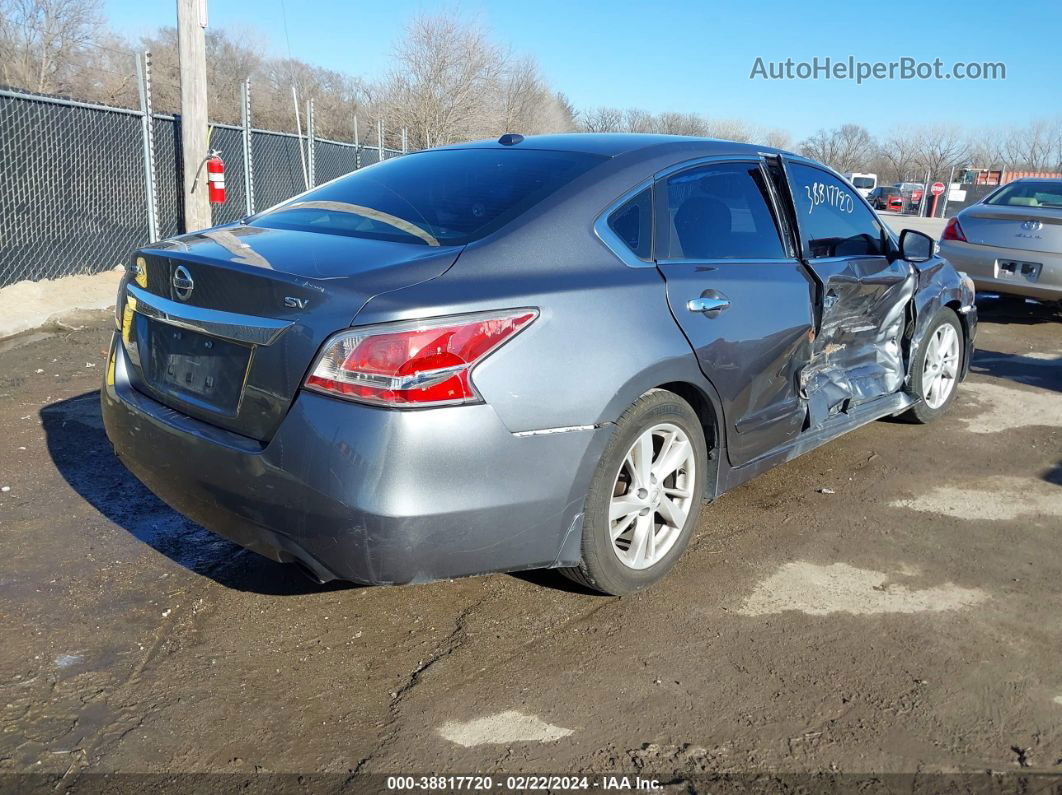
point(931, 226)
point(888, 603)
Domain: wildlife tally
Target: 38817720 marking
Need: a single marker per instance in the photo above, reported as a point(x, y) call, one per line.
point(519, 783)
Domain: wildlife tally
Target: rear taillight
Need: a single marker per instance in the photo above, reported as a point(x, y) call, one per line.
point(420, 363)
point(953, 231)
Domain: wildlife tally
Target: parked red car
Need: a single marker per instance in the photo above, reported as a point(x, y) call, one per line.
point(886, 197)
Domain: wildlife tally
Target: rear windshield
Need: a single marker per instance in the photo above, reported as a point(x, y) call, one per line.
point(445, 197)
point(862, 182)
point(1029, 194)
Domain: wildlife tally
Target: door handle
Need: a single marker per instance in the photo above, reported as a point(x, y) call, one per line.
point(710, 305)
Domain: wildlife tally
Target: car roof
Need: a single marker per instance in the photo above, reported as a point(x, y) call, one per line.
point(614, 144)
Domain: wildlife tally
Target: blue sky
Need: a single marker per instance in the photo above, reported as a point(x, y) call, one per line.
point(691, 55)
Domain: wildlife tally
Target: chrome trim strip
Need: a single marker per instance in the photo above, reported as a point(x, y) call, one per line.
point(565, 429)
point(611, 240)
point(229, 325)
point(731, 261)
point(706, 160)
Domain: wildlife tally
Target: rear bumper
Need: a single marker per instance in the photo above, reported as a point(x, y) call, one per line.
point(366, 494)
point(982, 264)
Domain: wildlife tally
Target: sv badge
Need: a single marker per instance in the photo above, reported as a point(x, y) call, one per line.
point(295, 303)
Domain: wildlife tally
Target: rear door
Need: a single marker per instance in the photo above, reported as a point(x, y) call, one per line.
point(739, 293)
point(862, 292)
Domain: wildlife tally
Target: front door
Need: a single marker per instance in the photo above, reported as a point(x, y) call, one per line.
point(862, 294)
point(741, 296)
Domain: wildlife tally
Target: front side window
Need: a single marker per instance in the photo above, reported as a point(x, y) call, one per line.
point(721, 211)
point(833, 219)
point(633, 224)
point(434, 198)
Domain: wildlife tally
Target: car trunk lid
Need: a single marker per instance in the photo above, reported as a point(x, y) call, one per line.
point(1024, 228)
point(222, 325)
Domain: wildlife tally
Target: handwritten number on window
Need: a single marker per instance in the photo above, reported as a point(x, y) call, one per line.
point(830, 195)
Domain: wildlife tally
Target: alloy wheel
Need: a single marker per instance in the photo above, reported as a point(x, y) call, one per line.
point(652, 496)
point(940, 371)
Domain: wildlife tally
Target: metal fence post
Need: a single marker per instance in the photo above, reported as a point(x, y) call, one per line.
point(405, 141)
point(248, 156)
point(310, 142)
point(947, 194)
point(143, 78)
point(379, 139)
point(357, 145)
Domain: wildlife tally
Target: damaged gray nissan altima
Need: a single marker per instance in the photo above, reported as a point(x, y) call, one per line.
point(524, 353)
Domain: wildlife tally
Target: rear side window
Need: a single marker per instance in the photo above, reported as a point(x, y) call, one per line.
point(633, 224)
point(443, 197)
point(833, 220)
point(721, 211)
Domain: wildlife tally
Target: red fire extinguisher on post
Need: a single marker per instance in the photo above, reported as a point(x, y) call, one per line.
point(215, 167)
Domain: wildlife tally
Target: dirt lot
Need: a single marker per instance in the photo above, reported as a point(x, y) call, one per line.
point(891, 602)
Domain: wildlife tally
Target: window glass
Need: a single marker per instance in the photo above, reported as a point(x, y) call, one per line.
point(443, 197)
point(833, 219)
point(1029, 194)
point(863, 182)
point(721, 211)
point(633, 223)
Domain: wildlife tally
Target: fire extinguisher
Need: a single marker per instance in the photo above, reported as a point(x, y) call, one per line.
point(215, 167)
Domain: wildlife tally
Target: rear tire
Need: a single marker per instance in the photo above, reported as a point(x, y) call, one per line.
point(645, 496)
point(936, 367)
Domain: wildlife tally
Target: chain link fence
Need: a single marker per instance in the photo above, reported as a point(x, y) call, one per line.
point(283, 179)
point(74, 192)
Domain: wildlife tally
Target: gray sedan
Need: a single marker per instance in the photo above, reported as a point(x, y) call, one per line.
point(1011, 242)
point(522, 353)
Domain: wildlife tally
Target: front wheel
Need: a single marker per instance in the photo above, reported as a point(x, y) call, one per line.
point(936, 368)
point(645, 496)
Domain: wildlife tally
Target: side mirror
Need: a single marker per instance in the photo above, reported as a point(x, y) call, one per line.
point(916, 246)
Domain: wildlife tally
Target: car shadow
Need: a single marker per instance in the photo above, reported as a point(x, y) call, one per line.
point(992, 308)
point(83, 455)
point(1045, 373)
point(554, 580)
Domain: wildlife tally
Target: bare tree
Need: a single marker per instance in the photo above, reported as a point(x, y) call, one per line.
point(42, 42)
point(567, 110)
point(527, 104)
point(602, 120)
point(449, 81)
point(849, 147)
point(441, 84)
point(1034, 147)
point(106, 72)
point(820, 146)
point(939, 147)
point(729, 130)
point(778, 138)
point(636, 120)
point(987, 145)
point(898, 154)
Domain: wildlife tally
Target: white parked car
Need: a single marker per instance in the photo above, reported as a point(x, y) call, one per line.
point(864, 183)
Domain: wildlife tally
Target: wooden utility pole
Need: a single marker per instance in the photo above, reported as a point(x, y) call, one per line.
point(191, 47)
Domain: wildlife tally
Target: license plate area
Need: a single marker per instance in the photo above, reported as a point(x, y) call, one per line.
point(197, 368)
point(1018, 270)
